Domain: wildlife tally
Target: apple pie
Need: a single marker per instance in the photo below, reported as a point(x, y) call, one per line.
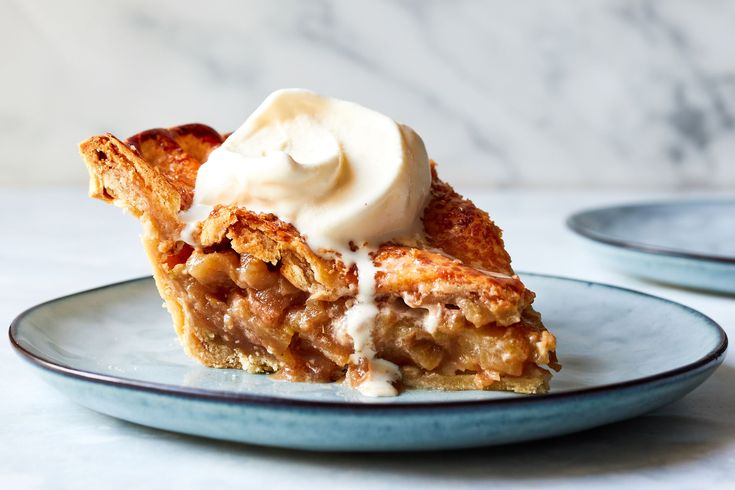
point(246, 291)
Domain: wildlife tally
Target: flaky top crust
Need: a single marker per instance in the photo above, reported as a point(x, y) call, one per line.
point(462, 260)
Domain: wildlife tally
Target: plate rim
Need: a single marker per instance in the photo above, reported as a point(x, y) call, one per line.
point(572, 222)
point(715, 356)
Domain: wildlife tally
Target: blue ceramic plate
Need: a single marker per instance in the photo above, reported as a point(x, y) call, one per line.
point(624, 353)
point(687, 243)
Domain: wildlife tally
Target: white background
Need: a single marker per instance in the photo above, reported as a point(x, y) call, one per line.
point(507, 94)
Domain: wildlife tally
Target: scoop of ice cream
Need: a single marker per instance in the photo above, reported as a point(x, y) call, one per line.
point(337, 171)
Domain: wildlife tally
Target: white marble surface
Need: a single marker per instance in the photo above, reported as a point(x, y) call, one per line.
point(58, 241)
point(565, 92)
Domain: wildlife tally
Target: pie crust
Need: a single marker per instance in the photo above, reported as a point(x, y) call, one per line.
point(253, 295)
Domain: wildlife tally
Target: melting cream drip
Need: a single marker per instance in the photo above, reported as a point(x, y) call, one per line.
point(358, 323)
point(341, 174)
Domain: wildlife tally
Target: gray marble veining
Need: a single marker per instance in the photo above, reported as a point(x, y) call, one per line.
point(561, 93)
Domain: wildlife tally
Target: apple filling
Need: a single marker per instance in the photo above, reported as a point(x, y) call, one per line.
point(240, 304)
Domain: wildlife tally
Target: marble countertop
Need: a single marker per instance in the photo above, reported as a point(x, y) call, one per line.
point(625, 93)
point(57, 241)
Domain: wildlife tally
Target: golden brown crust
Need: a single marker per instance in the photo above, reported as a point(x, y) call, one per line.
point(273, 241)
point(119, 175)
point(461, 277)
point(424, 277)
point(197, 140)
point(419, 276)
point(533, 380)
point(455, 225)
point(177, 154)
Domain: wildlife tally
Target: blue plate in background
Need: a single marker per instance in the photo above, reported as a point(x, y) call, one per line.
point(623, 353)
point(686, 243)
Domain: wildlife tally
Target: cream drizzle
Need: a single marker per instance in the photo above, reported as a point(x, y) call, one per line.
point(358, 323)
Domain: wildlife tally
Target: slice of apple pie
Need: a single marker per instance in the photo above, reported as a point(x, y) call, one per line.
point(253, 287)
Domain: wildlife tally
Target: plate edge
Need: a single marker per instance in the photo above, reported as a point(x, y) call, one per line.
point(574, 226)
point(714, 357)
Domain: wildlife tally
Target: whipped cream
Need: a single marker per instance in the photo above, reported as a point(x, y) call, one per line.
point(337, 171)
point(342, 174)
